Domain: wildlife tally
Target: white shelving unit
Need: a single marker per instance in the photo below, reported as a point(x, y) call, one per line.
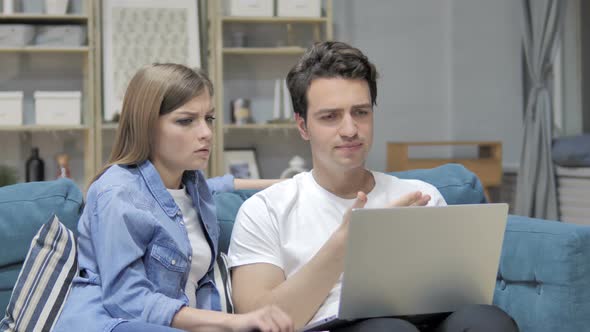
point(27, 75)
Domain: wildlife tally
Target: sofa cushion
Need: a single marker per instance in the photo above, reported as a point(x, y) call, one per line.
point(571, 151)
point(544, 275)
point(24, 207)
point(457, 184)
point(44, 281)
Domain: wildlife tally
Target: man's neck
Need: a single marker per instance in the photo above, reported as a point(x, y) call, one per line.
point(345, 183)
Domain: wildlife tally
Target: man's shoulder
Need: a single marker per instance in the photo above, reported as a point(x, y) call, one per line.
point(279, 194)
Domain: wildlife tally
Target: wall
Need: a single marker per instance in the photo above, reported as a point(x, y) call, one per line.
point(486, 74)
point(450, 69)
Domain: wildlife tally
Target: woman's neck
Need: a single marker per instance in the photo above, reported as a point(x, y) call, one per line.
point(172, 179)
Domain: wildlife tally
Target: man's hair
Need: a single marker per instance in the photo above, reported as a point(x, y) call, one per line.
point(329, 59)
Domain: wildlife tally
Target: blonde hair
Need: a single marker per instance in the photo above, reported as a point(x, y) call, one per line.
point(154, 90)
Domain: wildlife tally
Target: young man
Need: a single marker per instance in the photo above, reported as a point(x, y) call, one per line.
point(288, 242)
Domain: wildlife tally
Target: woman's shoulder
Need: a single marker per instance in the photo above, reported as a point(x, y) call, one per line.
point(116, 180)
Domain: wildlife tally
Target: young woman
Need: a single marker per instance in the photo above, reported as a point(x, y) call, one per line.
point(148, 234)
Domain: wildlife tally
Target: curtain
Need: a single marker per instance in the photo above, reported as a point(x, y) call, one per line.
point(536, 192)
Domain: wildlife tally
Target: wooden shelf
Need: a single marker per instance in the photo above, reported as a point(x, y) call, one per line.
point(257, 126)
point(31, 128)
point(43, 18)
point(487, 165)
point(44, 49)
point(274, 19)
point(295, 50)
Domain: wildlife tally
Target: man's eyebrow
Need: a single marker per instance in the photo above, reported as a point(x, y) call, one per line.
point(328, 110)
point(362, 106)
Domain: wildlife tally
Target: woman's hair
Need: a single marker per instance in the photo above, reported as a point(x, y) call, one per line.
point(154, 90)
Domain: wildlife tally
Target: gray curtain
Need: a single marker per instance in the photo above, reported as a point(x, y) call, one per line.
point(536, 193)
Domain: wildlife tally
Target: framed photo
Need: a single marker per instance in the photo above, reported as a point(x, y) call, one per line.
point(141, 32)
point(241, 164)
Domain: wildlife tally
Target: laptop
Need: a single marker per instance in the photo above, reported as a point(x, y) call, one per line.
point(418, 260)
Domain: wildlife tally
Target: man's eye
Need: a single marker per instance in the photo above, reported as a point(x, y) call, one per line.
point(210, 119)
point(328, 117)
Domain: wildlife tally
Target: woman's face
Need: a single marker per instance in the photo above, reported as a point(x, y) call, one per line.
point(183, 137)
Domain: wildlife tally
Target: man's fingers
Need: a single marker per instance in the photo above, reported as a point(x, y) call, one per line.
point(361, 200)
point(422, 201)
point(407, 199)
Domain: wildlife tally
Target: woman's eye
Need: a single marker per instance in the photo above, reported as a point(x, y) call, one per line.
point(184, 122)
point(210, 119)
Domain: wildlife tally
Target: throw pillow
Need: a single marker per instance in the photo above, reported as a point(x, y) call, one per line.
point(44, 280)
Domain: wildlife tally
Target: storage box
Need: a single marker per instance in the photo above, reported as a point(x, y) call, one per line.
point(16, 35)
point(249, 7)
point(61, 35)
point(57, 107)
point(299, 8)
point(11, 108)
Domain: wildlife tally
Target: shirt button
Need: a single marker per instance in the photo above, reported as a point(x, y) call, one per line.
point(182, 223)
point(179, 213)
point(173, 262)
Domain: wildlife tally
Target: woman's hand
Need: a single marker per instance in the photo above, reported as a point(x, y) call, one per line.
point(267, 319)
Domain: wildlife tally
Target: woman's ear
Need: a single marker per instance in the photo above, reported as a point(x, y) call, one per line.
point(301, 126)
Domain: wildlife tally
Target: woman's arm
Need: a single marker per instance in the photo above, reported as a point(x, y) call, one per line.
point(257, 184)
point(270, 318)
point(121, 232)
point(229, 183)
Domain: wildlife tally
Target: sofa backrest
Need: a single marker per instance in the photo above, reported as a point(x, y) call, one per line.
point(24, 207)
point(457, 184)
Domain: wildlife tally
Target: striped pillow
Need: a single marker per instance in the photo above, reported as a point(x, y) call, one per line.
point(44, 280)
point(223, 283)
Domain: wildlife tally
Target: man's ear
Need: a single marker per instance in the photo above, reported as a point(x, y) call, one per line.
point(301, 126)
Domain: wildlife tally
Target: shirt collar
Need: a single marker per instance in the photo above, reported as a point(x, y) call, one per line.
point(156, 186)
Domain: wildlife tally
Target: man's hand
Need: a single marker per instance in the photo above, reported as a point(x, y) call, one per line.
point(415, 198)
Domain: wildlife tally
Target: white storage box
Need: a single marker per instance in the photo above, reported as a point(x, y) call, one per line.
point(61, 35)
point(11, 108)
point(16, 35)
point(57, 107)
point(299, 8)
point(249, 7)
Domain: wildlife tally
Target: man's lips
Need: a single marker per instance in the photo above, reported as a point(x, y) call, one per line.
point(349, 146)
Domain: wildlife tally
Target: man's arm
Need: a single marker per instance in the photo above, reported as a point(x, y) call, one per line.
point(258, 284)
point(300, 296)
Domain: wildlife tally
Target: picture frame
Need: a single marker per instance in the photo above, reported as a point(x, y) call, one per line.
point(141, 32)
point(241, 163)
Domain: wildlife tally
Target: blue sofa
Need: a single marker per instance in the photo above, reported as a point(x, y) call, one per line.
point(543, 279)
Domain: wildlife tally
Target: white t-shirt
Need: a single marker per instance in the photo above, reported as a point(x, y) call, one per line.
point(286, 224)
point(201, 250)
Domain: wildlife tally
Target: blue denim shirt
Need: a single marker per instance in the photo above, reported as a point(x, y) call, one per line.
point(134, 253)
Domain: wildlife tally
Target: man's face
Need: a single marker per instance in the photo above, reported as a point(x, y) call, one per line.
point(339, 123)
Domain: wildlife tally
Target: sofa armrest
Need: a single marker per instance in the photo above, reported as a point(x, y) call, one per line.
point(544, 275)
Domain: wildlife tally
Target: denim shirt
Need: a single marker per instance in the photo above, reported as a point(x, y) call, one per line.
point(134, 253)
